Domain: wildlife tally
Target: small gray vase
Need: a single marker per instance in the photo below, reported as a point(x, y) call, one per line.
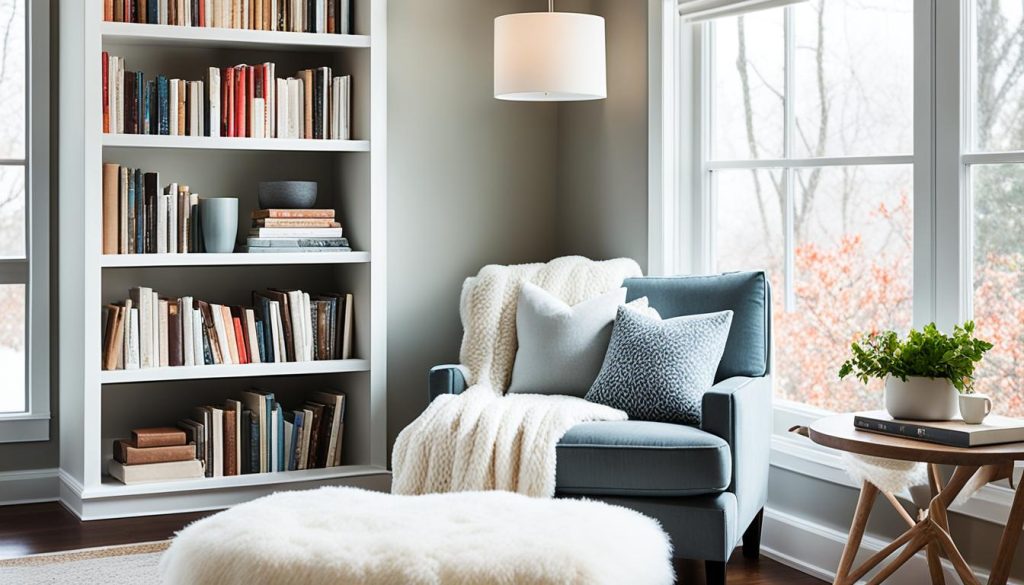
point(219, 218)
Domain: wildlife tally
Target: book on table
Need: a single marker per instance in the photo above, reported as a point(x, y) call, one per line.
point(994, 430)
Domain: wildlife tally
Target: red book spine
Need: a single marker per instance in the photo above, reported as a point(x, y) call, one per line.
point(106, 92)
point(202, 13)
point(227, 106)
point(240, 126)
point(108, 10)
point(243, 355)
point(250, 95)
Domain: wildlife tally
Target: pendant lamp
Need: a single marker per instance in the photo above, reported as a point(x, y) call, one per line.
point(549, 57)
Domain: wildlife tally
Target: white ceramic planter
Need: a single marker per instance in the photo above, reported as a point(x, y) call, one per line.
point(921, 398)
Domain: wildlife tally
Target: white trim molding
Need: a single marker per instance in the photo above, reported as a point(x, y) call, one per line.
point(815, 549)
point(24, 428)
point(29, 486)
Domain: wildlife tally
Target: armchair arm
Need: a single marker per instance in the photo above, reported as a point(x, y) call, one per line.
point(446, 379)
point(739, 410)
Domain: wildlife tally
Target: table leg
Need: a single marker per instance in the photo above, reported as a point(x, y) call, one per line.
point(1008, 542)
point(904, 556)
point(938, 576)
point(868, 492)
point(954, 556)
point(929, 532)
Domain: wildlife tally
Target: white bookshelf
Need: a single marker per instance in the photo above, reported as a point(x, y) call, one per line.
point(233, 371)
point(207, 143)
point(264, 259)
point(157, 35)
point(97, 406)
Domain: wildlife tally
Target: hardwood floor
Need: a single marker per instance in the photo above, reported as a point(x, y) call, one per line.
point(40, 528)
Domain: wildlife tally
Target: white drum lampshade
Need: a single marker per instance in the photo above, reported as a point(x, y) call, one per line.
point(549, 57)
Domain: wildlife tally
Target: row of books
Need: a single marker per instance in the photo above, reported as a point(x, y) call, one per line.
point(312, 16)
point(295, 230)
point(252, 434)
point(240, 101)
point(141, 218)
point(147, 330)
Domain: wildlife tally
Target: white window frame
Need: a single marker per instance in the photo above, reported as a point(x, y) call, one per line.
point(681, 205)
point(34, 270)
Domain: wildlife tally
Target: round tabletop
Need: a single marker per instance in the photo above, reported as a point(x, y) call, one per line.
point(837, 431)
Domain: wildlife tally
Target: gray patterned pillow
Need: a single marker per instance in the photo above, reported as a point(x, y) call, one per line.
point(659, 370)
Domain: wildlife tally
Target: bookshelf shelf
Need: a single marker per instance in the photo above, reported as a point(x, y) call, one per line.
point(112, 487)
point(161, 35)
point(207, 143)
point(97, 405)
point(239, 259)
point(232, 371)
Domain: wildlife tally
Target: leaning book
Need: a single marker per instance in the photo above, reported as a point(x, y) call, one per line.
point(954, 433)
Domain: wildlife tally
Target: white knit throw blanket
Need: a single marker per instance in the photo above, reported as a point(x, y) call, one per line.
point(481, 440)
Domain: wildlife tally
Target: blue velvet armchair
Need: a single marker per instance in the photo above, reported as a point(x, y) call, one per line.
point(708, 485)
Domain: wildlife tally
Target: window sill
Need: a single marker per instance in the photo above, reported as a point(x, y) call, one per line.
point(24, 428)
point(800, 455)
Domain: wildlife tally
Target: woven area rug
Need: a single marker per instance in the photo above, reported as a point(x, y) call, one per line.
point(132, 564)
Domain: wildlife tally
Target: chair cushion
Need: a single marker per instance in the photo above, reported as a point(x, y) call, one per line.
point(746, 294)
point(641, 458)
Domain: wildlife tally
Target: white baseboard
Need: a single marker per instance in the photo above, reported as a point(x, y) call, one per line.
point(815, 549)
point(29, 486)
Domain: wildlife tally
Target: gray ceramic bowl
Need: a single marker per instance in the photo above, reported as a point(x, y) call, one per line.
point(287, 194)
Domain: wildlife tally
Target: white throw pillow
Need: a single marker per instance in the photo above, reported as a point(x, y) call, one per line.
point(562, 347)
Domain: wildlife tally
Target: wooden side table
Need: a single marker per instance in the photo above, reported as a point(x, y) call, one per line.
point(975, 465)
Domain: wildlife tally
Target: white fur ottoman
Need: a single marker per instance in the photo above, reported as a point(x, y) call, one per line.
point(345, 536)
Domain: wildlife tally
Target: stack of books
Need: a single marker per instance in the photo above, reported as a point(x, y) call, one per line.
point(240, 101)
point(155, 454)
point(141, 218)
point(295, 230)
point(147, 330)
point(312, 16)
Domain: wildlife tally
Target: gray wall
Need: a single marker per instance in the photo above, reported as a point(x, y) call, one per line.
point(471, 181)
point(602, 145)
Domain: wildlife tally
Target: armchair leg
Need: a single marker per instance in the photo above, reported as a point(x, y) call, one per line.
point(714, 572)
point(752, 537)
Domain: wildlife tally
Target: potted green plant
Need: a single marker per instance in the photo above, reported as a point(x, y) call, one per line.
point(923, 372)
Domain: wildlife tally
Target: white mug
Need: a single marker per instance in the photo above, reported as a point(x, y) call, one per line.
point(974, 408)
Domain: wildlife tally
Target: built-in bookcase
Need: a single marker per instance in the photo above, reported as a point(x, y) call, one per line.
point(97, 406)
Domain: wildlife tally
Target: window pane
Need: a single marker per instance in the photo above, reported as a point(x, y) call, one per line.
point(12, 78)
point(12, 348)
point(749, 232)
point(998, 53)
point(748, 205)
point(853, 78)
point(853, 228)
point(12, 212)
point(999, 282)
point(748, 74)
